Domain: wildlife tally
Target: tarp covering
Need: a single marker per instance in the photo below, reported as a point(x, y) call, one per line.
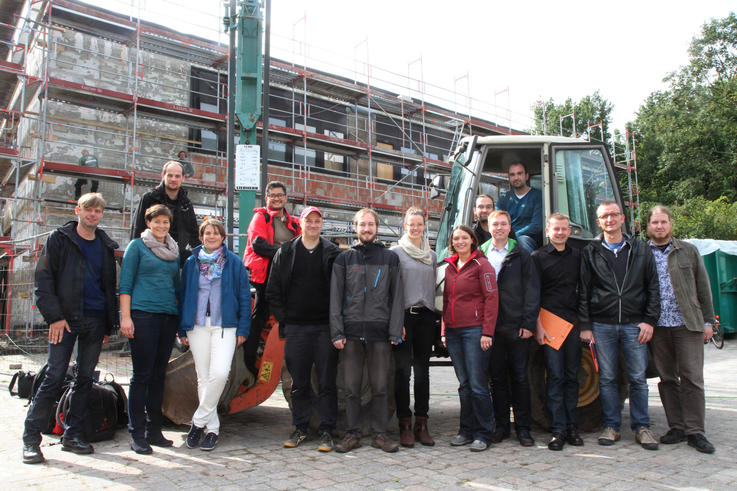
point(707, 246)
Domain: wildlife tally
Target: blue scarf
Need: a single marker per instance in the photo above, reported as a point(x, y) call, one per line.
point(211, 265)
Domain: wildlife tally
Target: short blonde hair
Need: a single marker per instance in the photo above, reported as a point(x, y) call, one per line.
point(558, 216)
point(91, 200)
point(497, 213)
point(364, 211)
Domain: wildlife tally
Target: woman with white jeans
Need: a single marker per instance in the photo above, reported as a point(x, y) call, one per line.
point(216, 317)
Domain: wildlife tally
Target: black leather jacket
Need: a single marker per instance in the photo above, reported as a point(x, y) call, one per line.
point(60, 278)
point(600, 297)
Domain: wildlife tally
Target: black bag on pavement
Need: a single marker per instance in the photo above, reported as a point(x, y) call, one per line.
point(24, 381)
point(102, 411)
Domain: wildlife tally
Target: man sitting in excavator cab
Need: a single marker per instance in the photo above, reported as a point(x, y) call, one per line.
point(524, 204)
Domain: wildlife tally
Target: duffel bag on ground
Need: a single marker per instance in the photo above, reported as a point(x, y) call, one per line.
point(102, 412)
point(24, 381)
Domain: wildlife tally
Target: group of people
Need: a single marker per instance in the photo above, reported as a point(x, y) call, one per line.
point(371, 303)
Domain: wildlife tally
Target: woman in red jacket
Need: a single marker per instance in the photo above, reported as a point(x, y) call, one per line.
point(470, 305)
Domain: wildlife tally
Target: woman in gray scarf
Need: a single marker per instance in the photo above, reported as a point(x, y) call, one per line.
point(149, 280)
point(417, 264)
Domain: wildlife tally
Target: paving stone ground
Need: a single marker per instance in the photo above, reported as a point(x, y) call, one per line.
point(250, 454)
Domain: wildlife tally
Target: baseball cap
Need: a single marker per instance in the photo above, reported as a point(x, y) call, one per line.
point(309, 210)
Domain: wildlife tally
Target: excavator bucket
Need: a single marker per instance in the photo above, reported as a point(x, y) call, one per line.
point(241, 391)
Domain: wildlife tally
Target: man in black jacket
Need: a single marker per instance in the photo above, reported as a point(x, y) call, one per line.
point(169, 192)
point(619, 303)
point(366, 319)
point(519, 304)
point(75, 293)
point(298, 292)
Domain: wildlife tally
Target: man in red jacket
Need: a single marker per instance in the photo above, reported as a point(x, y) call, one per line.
point(269, 227)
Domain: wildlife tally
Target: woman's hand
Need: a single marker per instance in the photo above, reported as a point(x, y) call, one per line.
point(442, 340)
point(127, 328)
point(486, 342)
point(241, 340)
point(184, 340)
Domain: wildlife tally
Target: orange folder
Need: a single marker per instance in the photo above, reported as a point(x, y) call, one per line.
point(556, 327)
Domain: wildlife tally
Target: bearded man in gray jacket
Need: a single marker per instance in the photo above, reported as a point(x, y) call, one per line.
point(366, 318)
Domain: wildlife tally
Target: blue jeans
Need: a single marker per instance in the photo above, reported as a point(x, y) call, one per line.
point(305, 346)
point(562, 381)
point(151, 345)
point(471, 364)
point(609, 338)
point(527, 243)
point(88, 334)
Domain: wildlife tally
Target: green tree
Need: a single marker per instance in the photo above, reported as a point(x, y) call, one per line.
point(687, 134)
point(590, 110)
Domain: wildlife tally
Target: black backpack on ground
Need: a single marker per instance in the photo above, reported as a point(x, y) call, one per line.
point(24, 381)
point(105, 403)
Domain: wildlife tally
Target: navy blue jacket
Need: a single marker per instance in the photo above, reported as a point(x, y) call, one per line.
point(234, 288)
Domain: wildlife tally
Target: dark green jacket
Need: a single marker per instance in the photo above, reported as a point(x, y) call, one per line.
point(690, 285)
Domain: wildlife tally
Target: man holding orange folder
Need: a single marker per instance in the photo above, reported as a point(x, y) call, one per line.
point(558, 267)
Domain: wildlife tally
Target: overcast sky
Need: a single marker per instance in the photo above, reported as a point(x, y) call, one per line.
point(514, 52)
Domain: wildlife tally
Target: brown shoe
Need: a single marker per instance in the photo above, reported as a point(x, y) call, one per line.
point(422, 435)
point(348, 443)
point(406, 438)
point(385, 443)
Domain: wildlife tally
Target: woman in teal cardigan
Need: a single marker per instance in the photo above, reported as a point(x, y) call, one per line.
point(149, 280)
point(216, 317)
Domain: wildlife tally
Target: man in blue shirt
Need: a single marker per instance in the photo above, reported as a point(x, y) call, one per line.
point(525, 205)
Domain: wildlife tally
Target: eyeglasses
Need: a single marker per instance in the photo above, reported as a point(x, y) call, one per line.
point(276, 195)
point(609, 215)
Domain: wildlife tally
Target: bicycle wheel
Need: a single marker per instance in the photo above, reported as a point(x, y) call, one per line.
point(718, 338)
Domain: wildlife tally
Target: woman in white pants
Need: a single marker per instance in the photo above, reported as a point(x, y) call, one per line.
point(216, 317)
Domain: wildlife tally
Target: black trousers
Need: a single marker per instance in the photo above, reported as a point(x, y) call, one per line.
point(413, 354)
point(508, 366)
point(305, 346)
point(258, 321)
point(88, 335)
point(81, 182)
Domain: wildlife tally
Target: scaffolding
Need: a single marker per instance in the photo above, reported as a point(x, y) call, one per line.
point(134, 93)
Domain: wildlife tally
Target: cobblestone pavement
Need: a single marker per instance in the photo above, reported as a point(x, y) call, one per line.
point(250, 454)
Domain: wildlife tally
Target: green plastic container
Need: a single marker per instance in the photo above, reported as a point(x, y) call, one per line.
point(722, 270)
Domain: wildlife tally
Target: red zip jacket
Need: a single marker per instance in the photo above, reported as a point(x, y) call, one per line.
point(260, 247)
point(470, 296)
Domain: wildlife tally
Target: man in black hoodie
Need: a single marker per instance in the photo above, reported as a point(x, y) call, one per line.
point(298, 292)
point(170, 192)
point(75, 293)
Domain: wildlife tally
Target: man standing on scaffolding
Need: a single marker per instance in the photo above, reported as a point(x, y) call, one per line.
point(75, 293)
point(86, 160)
point(170, 192)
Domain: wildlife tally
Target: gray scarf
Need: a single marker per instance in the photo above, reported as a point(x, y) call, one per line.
point(167, 250)
point(422, 254)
